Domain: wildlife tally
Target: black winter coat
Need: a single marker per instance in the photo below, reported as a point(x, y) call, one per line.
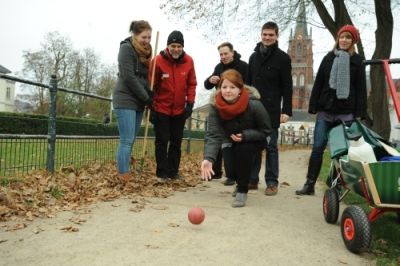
point(236, 64)
point(272, 76)
point(323, 98)
point(254, 124)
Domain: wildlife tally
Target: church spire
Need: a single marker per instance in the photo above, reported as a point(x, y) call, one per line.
point(301, 21)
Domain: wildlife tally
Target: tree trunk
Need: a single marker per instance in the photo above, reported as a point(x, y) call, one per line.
point(383, 39)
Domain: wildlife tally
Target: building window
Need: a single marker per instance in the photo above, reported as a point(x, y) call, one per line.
point(8, 93)
point(301, 80)
point(298, 49)
point(294, 79)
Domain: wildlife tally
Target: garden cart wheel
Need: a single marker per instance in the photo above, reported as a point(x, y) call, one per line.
point(356, 229)
point(330, 206)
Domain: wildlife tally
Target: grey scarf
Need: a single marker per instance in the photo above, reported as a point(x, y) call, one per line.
point(340, 74)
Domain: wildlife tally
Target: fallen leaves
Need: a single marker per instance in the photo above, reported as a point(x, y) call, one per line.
point(159, 207)
point(39, 194)
point(70, 229)
point(16, 226)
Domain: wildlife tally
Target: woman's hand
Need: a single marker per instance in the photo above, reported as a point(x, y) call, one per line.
point(237, 137)
point(206, 170)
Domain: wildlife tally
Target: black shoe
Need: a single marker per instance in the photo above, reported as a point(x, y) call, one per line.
point(308, 188)
point(216, 177)
point(229, 182)
point(175, 177)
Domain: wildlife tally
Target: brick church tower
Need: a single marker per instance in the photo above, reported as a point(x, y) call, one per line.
point(301, 53)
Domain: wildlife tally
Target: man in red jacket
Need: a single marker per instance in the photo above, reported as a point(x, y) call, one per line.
point(174, 94)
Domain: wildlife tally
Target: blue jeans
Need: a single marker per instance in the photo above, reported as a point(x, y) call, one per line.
point(128, 126)
point(271, 162)
point(321, 130)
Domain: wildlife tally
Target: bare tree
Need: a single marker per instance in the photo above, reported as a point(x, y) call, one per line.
point(35, 67)
point(77, 70)
point(57, 48)
point(234, 18)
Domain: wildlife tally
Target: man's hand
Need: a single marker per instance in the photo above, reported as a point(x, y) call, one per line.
point(237, 137)
point(214, 80)
point(206, 170)
point(188, 110)
point(284, 118)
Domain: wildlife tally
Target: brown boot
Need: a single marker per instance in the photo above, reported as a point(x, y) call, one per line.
point(253, 185)
point(125, 178)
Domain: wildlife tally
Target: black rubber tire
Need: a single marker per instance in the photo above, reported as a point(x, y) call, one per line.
point(356, 229)
point(330, 206)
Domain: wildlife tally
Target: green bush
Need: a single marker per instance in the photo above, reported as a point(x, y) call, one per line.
point(13, 123)
point(31, 124)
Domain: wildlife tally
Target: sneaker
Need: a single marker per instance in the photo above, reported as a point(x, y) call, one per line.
point(234, 192)
point(240, 200)
point(253, 185)
point(229, 182)
point(271, 191)
point(162, 179)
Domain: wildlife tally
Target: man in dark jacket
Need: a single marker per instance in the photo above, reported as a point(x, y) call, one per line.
point(270, 72)
point(230, 59)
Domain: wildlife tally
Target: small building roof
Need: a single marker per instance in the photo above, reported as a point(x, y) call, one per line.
point(4, 70)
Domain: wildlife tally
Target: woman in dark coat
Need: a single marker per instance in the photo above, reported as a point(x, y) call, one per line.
point(131, 93)
point(239, 124)
point(339, 95)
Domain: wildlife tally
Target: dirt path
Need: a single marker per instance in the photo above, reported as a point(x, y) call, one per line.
point(280, 230)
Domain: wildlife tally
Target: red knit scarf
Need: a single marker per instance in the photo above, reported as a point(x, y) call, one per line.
point(228, 111)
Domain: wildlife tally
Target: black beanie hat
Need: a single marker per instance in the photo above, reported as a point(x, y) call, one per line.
point(175, 37)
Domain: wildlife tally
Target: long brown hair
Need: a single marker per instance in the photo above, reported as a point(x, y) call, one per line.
point(138, 26)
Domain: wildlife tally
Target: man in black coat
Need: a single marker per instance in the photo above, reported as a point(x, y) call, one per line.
point(270, 72)
point(230, 59)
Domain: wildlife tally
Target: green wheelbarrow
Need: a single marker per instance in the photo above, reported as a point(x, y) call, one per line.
point(371, 171)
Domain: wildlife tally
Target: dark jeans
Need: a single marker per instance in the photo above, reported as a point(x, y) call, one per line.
point(217, 166)
point(169, 134)
point(271, 161)
point(238, 161)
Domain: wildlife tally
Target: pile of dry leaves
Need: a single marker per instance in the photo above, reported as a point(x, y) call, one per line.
point(40, 194)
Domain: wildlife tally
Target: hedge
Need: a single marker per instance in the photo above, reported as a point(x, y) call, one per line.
point(32, 124)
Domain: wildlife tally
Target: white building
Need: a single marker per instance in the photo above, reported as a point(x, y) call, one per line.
point(7, 92)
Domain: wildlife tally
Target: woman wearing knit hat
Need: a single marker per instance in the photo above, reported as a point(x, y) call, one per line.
point(239, 124)
point(339, 95)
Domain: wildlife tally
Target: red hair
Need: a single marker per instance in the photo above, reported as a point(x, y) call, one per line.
point(233, 76)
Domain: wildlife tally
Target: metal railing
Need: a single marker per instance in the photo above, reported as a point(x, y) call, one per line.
point(22, 153)
point(51, 133)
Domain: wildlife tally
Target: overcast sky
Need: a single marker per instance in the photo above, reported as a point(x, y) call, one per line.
point(101, 25)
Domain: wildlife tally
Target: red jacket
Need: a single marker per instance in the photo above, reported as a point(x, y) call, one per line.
point(174, 83)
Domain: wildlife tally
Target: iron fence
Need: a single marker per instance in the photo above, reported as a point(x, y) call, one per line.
point(20, 154)
point(23, 153)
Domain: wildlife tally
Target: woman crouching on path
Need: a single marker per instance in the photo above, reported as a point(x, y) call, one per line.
point(239, 124)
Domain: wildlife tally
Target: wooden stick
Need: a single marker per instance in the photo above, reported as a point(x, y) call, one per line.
point(147, 113)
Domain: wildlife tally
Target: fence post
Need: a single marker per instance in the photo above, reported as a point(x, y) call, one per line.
point(51, 128)
point(189, 136)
